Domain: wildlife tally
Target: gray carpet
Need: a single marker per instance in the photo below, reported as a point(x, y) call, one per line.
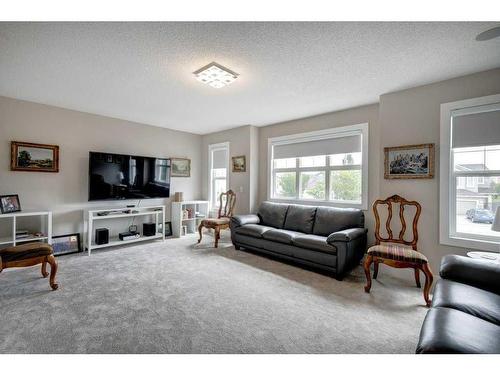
point(177, 297)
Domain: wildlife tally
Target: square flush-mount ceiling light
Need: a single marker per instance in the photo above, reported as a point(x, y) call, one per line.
point(215, 75)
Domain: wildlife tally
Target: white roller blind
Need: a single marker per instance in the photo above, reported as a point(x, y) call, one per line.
point(476, 129)
point(219, 159)
point(330, 146)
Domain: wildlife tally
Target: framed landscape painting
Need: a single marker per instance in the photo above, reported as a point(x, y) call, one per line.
point(405, 162)
point(34, 157)
point(180, 167)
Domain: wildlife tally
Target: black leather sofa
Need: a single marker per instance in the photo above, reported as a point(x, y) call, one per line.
point(331, 239)
point(465, 311)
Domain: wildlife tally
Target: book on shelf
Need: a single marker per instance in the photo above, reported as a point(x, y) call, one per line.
point(22, 234)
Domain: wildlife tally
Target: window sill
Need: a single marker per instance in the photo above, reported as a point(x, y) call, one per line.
point(471, 243)
point(306, 202)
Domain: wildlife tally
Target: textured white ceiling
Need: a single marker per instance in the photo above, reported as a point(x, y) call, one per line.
point(143, 71)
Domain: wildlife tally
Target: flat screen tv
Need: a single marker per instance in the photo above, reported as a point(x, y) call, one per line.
point(115, 176)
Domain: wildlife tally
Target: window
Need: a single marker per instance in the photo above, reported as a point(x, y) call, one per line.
point(470, 172)
point(218, 172)
point(328, 166)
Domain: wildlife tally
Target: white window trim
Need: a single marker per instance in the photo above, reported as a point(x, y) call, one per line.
point(211, 148)
point(447, 188)
point(338, 132)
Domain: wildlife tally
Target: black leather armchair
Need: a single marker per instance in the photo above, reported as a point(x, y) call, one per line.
point(465, 312)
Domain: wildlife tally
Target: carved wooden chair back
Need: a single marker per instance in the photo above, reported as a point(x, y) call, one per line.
point(403, 203)
point(227, 202)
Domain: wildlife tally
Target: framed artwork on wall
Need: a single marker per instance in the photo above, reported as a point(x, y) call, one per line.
point(180, 167)
point(34, 157)
point(66, 244)
point(408, 162)
point(9, 203)
point(239, 163)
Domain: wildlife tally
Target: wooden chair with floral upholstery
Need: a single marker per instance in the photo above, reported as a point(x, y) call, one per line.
point(30, 254)
point(397, 252)
point(227, 202)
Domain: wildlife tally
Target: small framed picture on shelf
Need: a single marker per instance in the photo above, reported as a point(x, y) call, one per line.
point(66, 244)
point(9, 203)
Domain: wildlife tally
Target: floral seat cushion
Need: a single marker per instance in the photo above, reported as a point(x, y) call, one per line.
point(214, 221)
point(398, 252)
point(25, 251)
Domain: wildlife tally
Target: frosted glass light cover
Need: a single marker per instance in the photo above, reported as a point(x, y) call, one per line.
point(215, 75)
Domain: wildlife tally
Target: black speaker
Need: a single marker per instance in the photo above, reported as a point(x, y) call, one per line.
point(148, 229)
point(101, 236)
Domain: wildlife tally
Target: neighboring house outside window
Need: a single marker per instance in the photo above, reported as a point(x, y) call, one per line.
point(324, 167)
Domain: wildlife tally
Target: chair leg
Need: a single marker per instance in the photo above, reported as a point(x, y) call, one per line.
point(428, 283)
point(53, 271)
point(217, 236)
point(368, 262)
point(44, 268)
point(417, 277)
point(375, 270)
point(200, 230)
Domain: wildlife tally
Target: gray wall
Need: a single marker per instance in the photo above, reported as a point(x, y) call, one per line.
point(405, 117)
point(77, 133)
point(368, 114)
point(242, 141)
point(413, 117)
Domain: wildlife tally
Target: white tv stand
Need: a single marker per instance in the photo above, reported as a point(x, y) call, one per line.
point(90, 217)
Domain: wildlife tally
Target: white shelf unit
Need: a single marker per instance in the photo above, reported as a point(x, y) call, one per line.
point(191, 223)
point(46, 227)
point(91, 217)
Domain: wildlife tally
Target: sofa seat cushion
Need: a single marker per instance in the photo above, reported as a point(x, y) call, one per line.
point(300, 218)
point(398, 253)
point(453, 331)
point(25, 251)
point(253, 230)
point(466, 298)
point(280, 235)
point(314, 242)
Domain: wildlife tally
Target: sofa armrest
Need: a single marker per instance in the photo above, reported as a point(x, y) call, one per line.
point(475, 272)
point(346, 235)
point(239, 220)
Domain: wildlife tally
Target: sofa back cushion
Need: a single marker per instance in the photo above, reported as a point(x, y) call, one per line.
point(273, 214)
point(331, 219)
point(300, 218)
